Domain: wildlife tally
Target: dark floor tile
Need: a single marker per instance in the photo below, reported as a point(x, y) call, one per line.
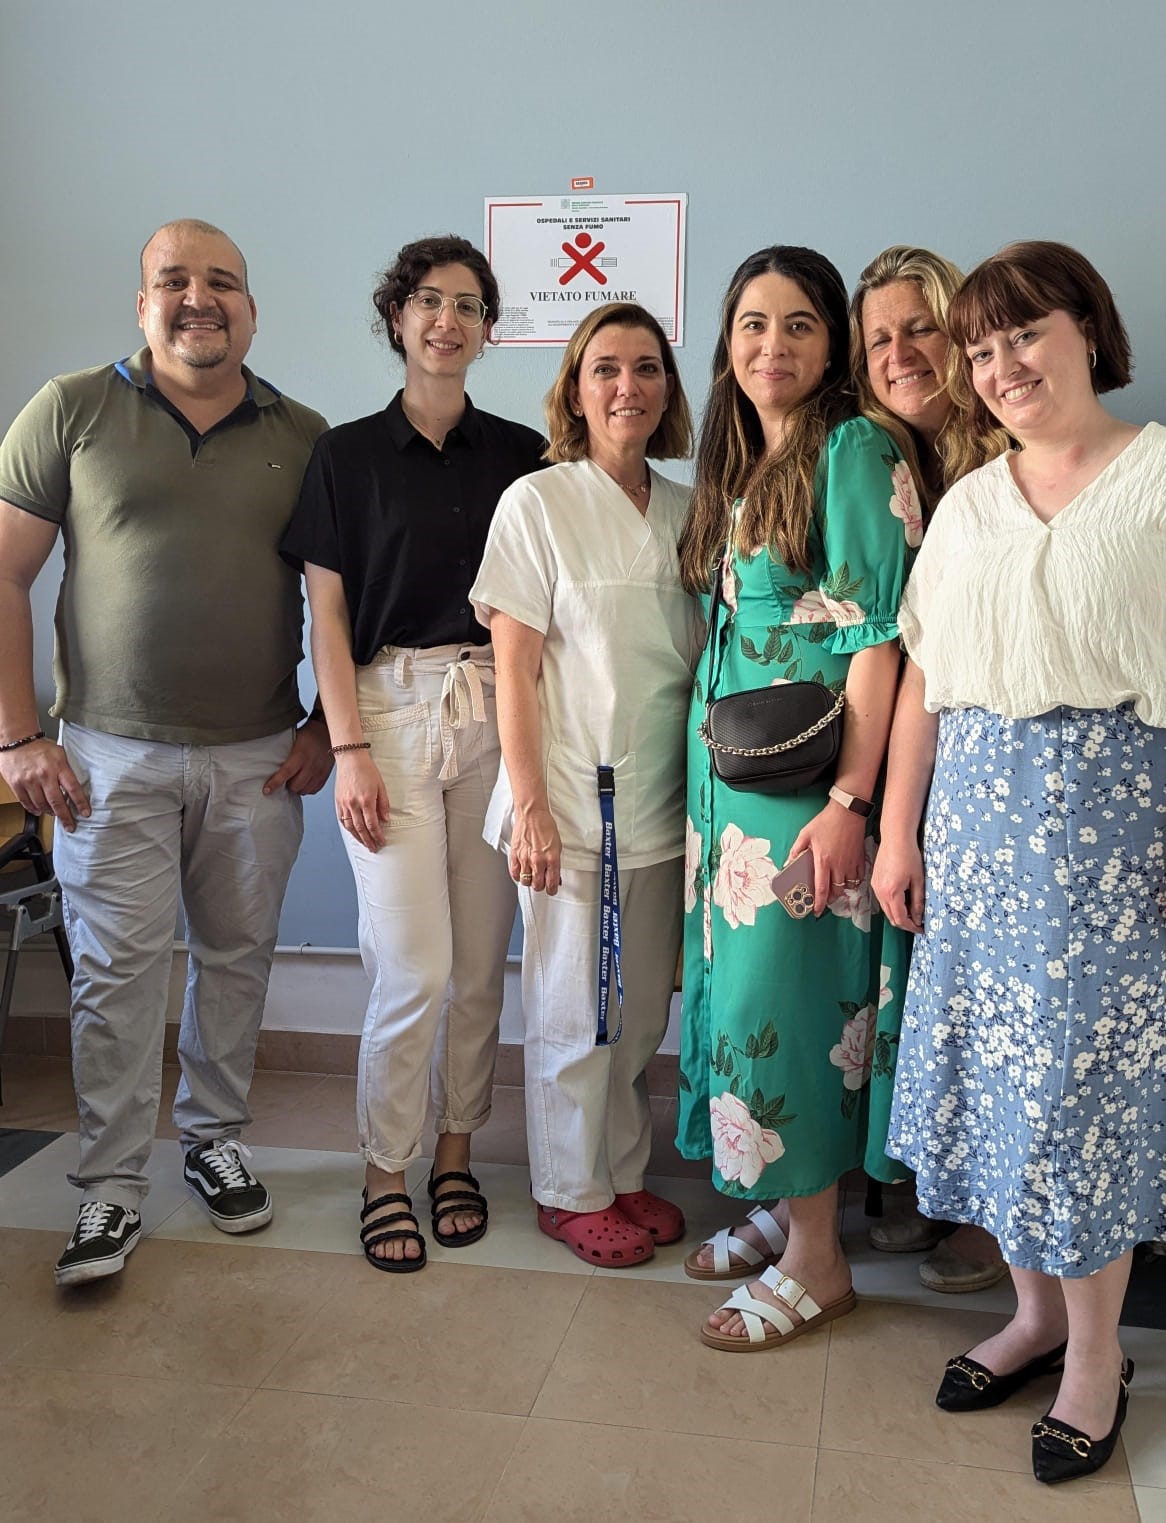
point(17, 1145)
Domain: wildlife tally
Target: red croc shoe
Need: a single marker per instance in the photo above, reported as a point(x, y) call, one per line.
point(659, 1217)
point(605, 1238)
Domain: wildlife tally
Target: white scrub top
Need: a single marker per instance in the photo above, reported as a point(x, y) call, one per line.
point(569, 555)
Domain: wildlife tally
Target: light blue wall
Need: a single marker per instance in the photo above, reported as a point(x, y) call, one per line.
point(322, 137)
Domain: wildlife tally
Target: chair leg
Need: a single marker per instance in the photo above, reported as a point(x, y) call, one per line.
point(5, 1001)
point(66, 955)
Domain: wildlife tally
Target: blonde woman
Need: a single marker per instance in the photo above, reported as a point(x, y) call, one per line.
point(899, 358)
point(900, 354)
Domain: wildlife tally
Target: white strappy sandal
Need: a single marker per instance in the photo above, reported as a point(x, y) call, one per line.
point(756, 1314)
point(724, 1244)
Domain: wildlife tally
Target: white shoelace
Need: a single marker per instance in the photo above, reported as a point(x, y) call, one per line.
point(92, 1220)
point(223, 1159)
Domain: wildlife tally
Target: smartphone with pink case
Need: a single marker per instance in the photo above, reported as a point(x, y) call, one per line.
point(794, 886)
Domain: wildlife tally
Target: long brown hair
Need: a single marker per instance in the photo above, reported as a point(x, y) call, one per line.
point(959, 447)
point(731, 458)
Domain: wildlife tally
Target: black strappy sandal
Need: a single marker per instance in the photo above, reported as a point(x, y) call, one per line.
point(454, 1201)
point(382, 1231)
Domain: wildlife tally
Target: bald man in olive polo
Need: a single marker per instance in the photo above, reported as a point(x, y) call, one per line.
point(182, 760)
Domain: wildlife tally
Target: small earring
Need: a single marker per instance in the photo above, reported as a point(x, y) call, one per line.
point(1093, 359)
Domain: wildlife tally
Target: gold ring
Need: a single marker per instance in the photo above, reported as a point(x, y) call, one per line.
point(853, 882)
point(526, 878)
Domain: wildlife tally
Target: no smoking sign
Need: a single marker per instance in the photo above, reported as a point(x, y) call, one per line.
point(556, 257)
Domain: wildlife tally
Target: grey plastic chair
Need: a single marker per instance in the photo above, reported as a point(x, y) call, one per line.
point(30, 896)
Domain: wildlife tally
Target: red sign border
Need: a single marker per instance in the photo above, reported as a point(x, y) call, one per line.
point(560, 343)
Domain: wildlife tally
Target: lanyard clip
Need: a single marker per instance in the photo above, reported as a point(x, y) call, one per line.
point(605, 781)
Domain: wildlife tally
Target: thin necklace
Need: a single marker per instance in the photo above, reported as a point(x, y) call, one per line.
point(436, 441)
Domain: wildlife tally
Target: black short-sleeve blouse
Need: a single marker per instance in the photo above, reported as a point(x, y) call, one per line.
point(405, 524)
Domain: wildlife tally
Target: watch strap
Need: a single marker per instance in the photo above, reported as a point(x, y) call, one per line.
point(849, 801)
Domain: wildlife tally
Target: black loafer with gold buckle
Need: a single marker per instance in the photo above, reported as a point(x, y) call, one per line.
point(1061, 1453)
point(968, 1386)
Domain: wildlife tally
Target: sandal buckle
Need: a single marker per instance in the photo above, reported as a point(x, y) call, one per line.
point(791, 1295)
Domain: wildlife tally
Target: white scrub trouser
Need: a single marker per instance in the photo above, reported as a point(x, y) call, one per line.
point(436, 903)
point(167, 817)
point(588, 1126)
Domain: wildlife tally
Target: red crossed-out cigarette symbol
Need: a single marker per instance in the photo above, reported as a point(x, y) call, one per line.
point(583, 254)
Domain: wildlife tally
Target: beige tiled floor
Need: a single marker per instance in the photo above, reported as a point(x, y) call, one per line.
point(276, 1377)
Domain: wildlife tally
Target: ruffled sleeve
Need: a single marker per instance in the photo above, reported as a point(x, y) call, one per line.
point(870, 521)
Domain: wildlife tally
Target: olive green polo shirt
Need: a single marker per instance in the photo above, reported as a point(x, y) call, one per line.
point(177, 619)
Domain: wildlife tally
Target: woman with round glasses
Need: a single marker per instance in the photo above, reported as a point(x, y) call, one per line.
point(391, 524)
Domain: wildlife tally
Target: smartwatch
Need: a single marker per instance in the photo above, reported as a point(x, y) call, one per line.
point(849, 801)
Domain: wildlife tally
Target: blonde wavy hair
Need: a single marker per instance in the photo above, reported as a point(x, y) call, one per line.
point(960, 446)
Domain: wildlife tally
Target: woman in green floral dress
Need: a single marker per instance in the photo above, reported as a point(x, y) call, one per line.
point(790, 1026)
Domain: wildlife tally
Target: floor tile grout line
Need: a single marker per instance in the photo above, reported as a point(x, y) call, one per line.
point(188, 1474)
point(821, 1421)
point(949, 1462)
point(489, 1502)
point(586, 1279)
point(102, 1373)
point(623, 1427)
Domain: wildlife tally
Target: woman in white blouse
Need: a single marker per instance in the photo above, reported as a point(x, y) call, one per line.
point(1029, 1094)
point(594, 640)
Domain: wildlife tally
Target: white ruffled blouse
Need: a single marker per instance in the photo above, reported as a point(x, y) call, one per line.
point(1006, 613)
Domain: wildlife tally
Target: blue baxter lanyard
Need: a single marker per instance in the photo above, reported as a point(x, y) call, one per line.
point(608, 912)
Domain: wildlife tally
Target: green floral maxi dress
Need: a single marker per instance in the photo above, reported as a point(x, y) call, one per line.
point(790, 1027)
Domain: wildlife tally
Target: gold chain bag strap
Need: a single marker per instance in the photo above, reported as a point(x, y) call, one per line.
point(770, 739)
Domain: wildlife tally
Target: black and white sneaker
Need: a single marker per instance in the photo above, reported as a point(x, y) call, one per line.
point(102, 1240)
point(216, 1174)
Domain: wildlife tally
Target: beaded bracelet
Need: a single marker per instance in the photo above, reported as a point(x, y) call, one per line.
point(351, 745)
point(25, 740)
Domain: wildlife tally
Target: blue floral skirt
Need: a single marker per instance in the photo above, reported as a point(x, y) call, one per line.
point(1030, 1095)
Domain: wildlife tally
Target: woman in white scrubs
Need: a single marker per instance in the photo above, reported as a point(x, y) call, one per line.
point(595, 642)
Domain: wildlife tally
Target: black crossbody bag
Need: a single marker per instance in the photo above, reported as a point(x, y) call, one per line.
point(769, 739)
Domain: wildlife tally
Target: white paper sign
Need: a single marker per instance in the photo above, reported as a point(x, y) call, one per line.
point(557, 257)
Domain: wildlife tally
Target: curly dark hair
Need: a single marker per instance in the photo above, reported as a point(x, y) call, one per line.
point(396, 284)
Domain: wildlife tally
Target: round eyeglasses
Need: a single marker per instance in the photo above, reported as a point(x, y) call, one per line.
point(470, 311)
